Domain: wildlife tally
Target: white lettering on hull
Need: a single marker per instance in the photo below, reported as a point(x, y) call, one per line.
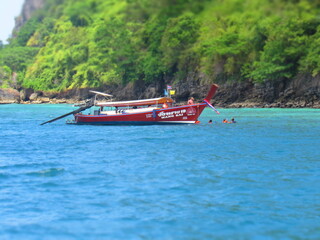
point(172, 114)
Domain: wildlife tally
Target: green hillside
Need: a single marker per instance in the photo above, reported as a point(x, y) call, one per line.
point(90, 43)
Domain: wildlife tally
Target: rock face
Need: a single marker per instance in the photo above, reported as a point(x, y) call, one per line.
point(9, 96)
point(33, 96)
point(28, 8)
point(25, 94)
point(302, 91)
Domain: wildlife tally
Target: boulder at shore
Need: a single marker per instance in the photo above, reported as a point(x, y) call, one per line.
point(9, 95)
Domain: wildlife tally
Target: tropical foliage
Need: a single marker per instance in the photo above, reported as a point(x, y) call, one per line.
point(90, 43)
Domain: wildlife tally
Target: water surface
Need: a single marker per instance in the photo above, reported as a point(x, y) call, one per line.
point(256, 179)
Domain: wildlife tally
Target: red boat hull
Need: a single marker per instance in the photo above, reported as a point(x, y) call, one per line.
point(187, 114)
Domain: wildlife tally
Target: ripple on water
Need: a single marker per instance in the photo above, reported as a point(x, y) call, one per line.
point(51, 172)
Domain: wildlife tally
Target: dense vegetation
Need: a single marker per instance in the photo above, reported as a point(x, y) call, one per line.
point(89, 43)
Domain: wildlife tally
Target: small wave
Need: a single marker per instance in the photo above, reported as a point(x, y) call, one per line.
point(51, 172)
point(4, 175)
point(15, 166)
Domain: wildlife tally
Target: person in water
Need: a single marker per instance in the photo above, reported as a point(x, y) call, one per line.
point(210, 121)
point(191, 101)
point(226, 121)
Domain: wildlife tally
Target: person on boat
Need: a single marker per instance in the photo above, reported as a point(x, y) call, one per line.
point(165, 105)
point(191, 101)
point(210, 121)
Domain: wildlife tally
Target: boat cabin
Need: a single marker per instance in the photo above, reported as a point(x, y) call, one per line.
point(132, 107)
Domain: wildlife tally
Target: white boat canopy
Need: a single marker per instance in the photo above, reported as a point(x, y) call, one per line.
point(144, 102)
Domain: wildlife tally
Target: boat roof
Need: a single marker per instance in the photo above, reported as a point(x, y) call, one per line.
point(151, 101)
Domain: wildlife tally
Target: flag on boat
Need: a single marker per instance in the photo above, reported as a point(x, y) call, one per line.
point(169, 87)
point(172, 92)
point(165, 92)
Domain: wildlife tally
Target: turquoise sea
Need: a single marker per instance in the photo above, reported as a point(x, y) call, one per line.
point(256, 179)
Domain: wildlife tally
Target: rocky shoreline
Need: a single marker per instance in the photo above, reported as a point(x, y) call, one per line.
point(42, 100)
point(11, 96)
point(293, 94)
point(28, 96)
point(271, 105)
point(223, 105)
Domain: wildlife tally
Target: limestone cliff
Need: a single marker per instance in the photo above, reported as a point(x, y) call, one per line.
point(28, 8)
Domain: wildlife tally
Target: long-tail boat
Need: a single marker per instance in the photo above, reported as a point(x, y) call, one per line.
point(140, 112)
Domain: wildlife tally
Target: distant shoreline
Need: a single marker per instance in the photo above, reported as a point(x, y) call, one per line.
point(223, 99)
point(246, 104)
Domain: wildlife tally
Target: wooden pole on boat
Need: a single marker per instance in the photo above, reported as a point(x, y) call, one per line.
point(89, 104)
